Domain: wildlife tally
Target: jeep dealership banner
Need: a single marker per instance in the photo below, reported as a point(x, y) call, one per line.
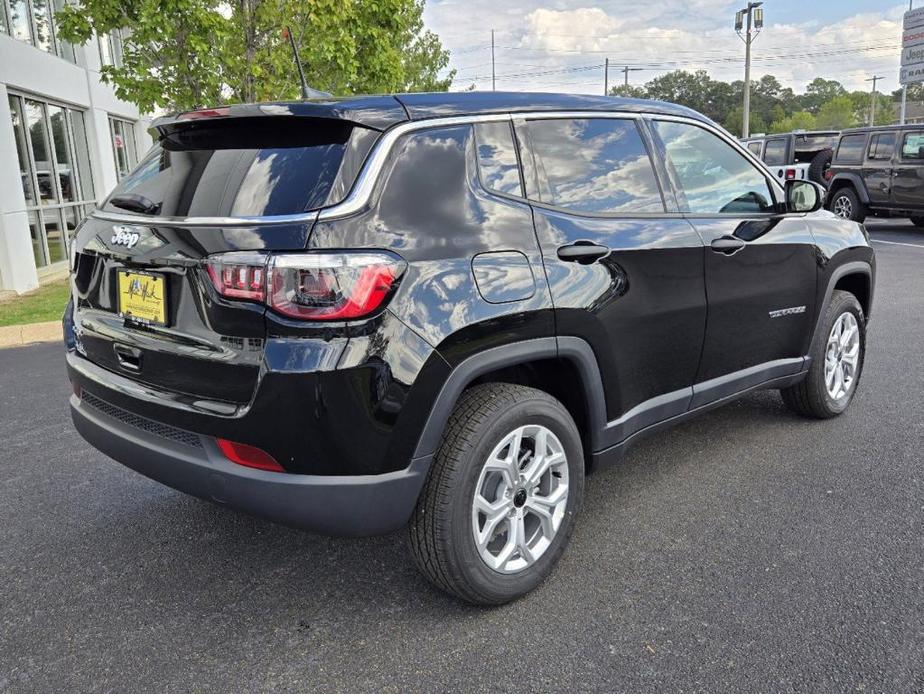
point(912, 69)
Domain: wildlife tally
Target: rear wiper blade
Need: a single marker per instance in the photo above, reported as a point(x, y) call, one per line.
point(135, 203)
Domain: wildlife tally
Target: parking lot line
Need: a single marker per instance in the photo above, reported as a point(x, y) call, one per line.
point(898, 243)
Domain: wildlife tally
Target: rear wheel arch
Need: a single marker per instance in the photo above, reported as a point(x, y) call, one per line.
point(549, 364)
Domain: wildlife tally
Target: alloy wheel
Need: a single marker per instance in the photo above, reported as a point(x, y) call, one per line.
point(842, 356)
point(520, 499)
point(842, 207)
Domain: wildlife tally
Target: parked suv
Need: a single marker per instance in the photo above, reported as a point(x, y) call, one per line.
point(879, 171)
point(796, 156)
point(441, 311)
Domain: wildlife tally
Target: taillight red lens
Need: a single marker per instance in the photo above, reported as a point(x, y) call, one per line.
point(309, 286)
point(248, 456)
point(790, 174)
point(331, 286)
point(238, 276)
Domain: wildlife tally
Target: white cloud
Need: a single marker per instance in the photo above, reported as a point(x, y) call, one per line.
point(561, 45)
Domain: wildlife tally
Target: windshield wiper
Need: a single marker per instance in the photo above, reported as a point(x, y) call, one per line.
point(135, 203)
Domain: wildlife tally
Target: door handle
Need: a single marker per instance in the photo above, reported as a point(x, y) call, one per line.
point(128, 357)
point(728, 245)
point(582, 252)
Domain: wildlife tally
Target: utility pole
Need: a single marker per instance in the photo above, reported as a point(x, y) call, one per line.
point(606, 77)
point(901, 117)
point(493, 78)
point(755, 22)
point(872, 99)
point(626, 70)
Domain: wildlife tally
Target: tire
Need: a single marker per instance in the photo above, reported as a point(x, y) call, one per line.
point(813, 396)
point(820, 167)
point(917, 221)
point(846, 205)
point(442, 531)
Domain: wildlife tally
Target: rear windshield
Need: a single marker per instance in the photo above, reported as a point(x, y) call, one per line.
point(238, 168)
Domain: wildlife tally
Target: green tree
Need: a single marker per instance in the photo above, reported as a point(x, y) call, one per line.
point(629, 90)
point(694, 89)
point(800, 120)
point(182, 54)
point(735, 120)
point(885, 109)
point(837, 113)
point(820, 91)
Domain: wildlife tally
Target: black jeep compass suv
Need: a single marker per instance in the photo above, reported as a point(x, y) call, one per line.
point(442, 310)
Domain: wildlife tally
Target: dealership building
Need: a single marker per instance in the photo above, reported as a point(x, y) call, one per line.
point(65, 139)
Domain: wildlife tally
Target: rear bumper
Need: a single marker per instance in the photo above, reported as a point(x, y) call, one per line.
point(347, 505)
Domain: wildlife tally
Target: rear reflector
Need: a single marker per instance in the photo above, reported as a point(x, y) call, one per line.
point(249, 456)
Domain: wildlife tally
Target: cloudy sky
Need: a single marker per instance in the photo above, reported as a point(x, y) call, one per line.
point(561, 45)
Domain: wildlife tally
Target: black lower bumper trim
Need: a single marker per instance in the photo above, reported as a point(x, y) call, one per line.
point(349, 505)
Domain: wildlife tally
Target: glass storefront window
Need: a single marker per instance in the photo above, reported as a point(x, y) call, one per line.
point(33, 21)
point(123, 146)
point(43, 36)
point(20, 23)
point(65, 49)
point(51, 145)
point(19, 134)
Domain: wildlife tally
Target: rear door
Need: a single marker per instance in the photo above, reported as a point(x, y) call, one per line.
point(908, 172)
point(145, 306)
point(877, 169)
point(625, 269)
point(760, 265)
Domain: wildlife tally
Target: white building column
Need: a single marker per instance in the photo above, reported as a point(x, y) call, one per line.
point(17, 268)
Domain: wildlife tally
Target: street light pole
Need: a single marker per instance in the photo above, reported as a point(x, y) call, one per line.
point(901, 117)
point(493, 77)
point(606, 77)
point(755, 21)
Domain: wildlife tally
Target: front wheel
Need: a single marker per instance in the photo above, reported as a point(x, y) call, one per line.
point(499, 504)
point(846, 205)
point(837, 361)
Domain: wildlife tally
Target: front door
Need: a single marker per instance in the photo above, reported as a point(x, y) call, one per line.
point(877, 169)
point(760, 265)
point(908, 172)
point(626, 274)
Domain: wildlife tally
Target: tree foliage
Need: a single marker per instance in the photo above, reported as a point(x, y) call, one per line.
point(182, 54)
point(825, 104)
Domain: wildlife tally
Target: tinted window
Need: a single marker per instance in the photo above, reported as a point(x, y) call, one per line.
point(851, 148)
point(755, 148)
point(594, 165)
point(497, 158)
point(236, 169)
point(775, 153)
point(714, 178)
point(881, 146)
point(913, 146)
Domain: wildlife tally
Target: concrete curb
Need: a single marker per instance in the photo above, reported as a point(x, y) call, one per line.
point(18, 335)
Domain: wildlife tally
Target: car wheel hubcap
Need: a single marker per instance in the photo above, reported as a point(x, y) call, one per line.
point(520, 499)
point(843, 208)
point(842, 356)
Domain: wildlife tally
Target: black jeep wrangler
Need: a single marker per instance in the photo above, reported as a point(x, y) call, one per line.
point(879, 171)
point(441, 311)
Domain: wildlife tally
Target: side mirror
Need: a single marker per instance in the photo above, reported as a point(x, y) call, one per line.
point(804, 196)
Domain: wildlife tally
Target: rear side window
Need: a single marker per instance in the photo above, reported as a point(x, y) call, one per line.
point(713, 177)
point(595, 165)
point(851, 148)
point(881, 146)
point(497, 158)
point(237, 168)
point(913, 146)
point(775, 153)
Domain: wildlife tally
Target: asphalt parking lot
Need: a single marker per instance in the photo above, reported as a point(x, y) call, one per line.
point(746, 550)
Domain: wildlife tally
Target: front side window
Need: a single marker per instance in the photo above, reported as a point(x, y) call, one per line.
point(596, 165)
point(775, 154)
point(754, 147)
point(913, 146)
point(851, 148)
point(713, 177)
point(497, 158)
point(881, 146)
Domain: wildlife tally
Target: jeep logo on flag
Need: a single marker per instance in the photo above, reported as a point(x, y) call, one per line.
point(124, 236)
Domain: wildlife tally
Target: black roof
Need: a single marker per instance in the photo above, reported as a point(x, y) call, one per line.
point(381, 112)
point(877, 128)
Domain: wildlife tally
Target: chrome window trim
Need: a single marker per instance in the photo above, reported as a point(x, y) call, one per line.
point(364, 186)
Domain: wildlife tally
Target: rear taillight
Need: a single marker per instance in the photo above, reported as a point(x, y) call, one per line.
point(309, 286)
point(790, 174)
